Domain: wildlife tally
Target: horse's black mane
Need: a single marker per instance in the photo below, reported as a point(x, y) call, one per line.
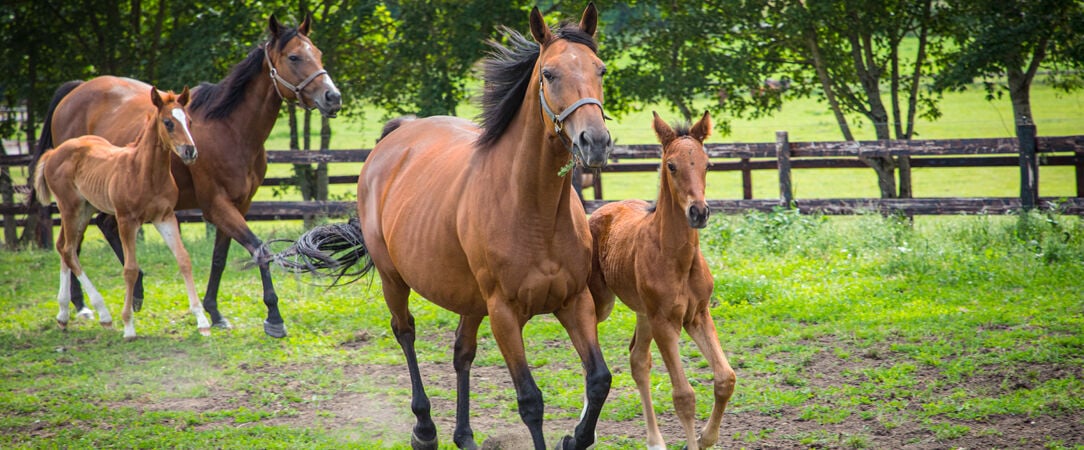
point(219, 100)
point(507, 74)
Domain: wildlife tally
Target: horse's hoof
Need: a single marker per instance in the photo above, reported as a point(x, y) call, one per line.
point(418, 444)
point(468, 445)
point(106, 324)
point(205, 331)
point(63, 325)
point(137, 303)
point(566, 443)
point(222, 324)
point(85, 313)
point(130, 338)
point(275, 330)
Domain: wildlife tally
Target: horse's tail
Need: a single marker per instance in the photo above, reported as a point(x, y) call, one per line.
point(332, 250)
point(393, 124)
point(39, 187)
point(45, 142)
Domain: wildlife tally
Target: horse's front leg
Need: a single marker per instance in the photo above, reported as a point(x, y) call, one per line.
point(666, 330)
point(507, 326)
point(171, 234)
point(702, 330)
point(108, 225)
point(579, 319)
point(640, 366)
point(466, 343)
point(127, 229)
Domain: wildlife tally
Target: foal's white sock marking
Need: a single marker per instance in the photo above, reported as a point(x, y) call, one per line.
point(63, 297)
point(95, 298)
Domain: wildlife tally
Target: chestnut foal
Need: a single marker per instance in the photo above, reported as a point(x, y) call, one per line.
point(87, 174)
point(649, 256)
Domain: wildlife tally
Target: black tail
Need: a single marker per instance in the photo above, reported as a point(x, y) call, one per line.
point(328, 250)
point(45, 142)
point(393, 124)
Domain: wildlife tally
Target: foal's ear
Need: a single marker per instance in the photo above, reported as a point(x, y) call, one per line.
point(274, 27)
point(303, 29)
point(589, 21)
point(539, 30)
point(156, 98)
point(702, 129)
point(183, 99)
point(663, 130)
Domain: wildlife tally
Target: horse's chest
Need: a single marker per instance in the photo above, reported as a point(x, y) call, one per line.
point(542, 277)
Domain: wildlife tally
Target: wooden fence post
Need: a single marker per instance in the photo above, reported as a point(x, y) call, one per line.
point(782, 152)
point(1029, 166)
point(746, 180)
point(1078, 163)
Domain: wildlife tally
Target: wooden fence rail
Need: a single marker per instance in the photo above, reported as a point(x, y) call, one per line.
point(783, 156)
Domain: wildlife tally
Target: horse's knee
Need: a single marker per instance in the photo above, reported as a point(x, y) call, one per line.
point(685, 401)
point(530, 405)
point(131, 274)
point(598, 385)
point(724, 384)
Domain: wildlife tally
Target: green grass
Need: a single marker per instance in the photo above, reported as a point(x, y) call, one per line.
point(845, 332)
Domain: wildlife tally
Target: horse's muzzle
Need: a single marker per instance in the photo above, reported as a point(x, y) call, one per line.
point(594, 147)
point(698, 215)
point(187, 153)
point(329, 103)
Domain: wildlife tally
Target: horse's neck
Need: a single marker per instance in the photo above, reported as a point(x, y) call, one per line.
point(533, 160)
point(151, 153)
point(256, 115)
point(671, 224)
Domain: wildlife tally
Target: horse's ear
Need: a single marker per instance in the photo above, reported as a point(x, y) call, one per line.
point(183, 99)
point(274, 27)
point(539, 30)
point(305, 25)
point(589, 21)
point(662, 130)
point(156, 98)
point(702, 129)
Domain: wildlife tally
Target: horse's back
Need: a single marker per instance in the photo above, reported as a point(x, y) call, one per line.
point(111, 107)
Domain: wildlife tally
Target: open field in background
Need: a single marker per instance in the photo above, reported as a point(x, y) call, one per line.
point(845, 332)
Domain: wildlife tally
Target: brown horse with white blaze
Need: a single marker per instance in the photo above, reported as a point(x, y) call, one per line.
point(484, 222)
point(650, 257)
point(88, 174)
point(232, 119)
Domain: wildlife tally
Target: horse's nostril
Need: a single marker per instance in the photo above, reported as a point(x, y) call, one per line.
point(333, 96)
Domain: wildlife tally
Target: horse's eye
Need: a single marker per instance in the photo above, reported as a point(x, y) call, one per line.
point(671, 167)
point(294, 58)
point(602, 72)
point(547, 75)
point(169, 124)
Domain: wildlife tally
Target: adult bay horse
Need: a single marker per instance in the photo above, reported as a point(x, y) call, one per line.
point(231, 121)
point(88, 174)
point(483, 221)
point(650, 257)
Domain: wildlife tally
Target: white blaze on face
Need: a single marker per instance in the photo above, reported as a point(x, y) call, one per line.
point(182, 119)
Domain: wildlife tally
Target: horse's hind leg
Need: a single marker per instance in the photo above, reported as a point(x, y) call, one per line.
point(580, 321)
point(640, 365)
point(466, 343)
point(108, 225)
point(702, 330)
point(424, 435)
point(171, 234)
point(73, 223)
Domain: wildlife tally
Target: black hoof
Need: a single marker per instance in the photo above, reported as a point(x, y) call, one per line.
point(566, 443)
point(137, 303)
point(466, 443)
point(418, 444)
point(222, 324)
point(275, 330)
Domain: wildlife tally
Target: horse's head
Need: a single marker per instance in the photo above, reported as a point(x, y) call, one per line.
point(685, 165)
point(173, 124)
point(569, 76)
point(297, 68)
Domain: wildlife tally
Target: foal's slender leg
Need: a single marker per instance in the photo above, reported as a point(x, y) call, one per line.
point(127, 229)
point(667, 336)
point(581, 323)
point(424, 435)
point(171, 233)
point(73, 223)
point(640, 365)
point(702, 330)
point(466, 343)
point(75, 293)
point(508, 331)
point(108, 224)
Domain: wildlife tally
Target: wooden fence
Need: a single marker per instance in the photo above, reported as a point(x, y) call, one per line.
point(782, 156)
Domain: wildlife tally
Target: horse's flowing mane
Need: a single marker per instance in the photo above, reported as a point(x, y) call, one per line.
point(507, 75)
point(219, 100)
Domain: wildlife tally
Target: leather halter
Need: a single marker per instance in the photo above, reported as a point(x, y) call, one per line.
point(276, 80)
point(559, 119)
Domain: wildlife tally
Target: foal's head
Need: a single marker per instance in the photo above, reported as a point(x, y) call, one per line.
point(297, 68)
point(172, 124)
point(685, 165)
point(569, 74)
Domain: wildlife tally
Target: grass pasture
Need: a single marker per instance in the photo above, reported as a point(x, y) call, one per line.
point(845, 332)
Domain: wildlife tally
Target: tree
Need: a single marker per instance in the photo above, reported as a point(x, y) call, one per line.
point(1013, 39)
